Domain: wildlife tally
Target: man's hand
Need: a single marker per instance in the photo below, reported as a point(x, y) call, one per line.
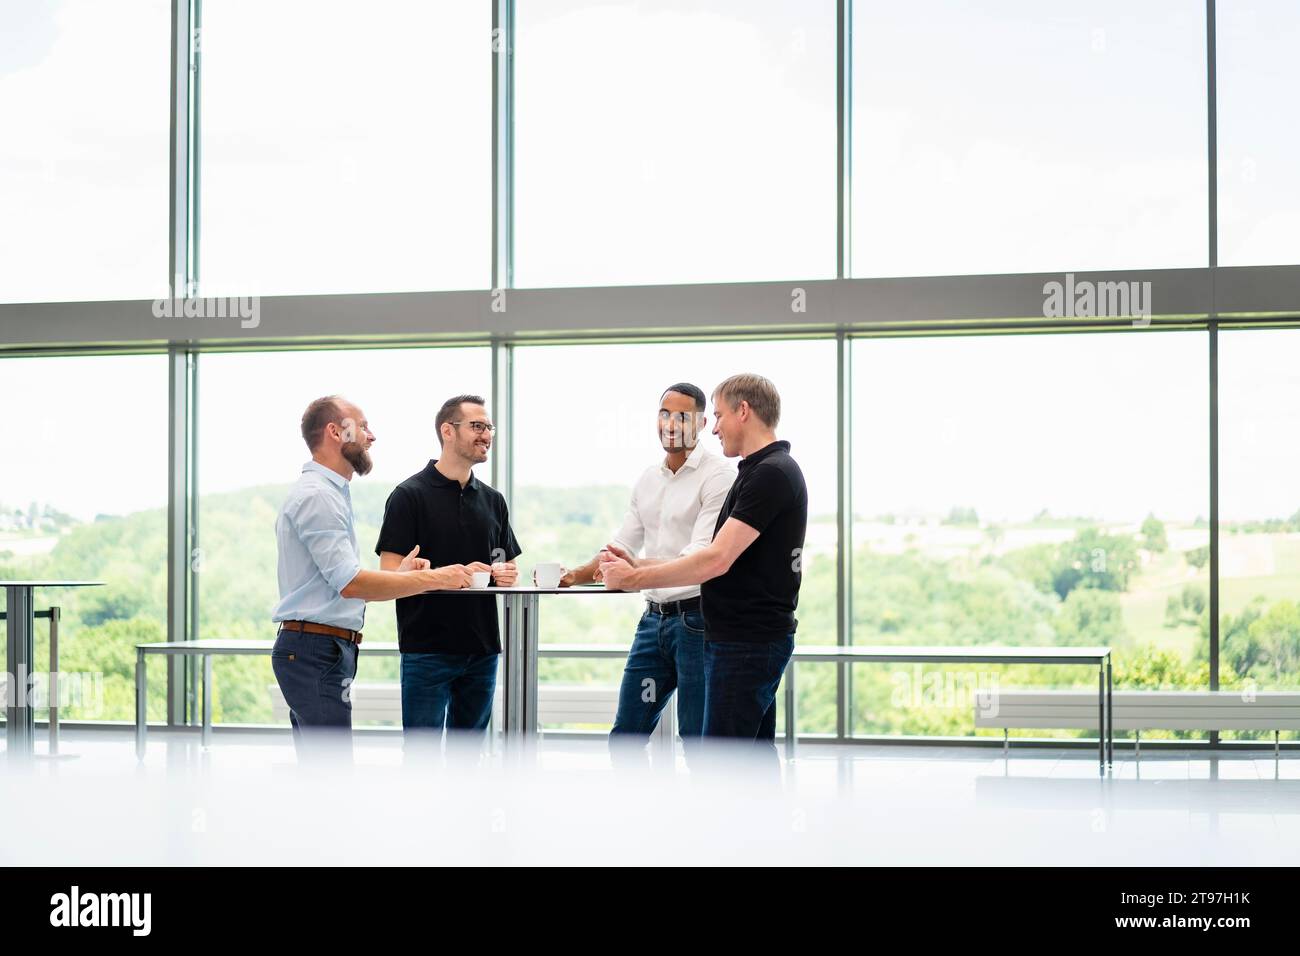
point(451, 577)
point(614, 551)
point(617, 574)
point(505, 573)
point(413, 563)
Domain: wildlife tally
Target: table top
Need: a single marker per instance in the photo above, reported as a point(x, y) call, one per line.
point(521, 589)
point(50, 584)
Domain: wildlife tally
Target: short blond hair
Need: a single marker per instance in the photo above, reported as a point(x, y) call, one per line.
point(763, 398)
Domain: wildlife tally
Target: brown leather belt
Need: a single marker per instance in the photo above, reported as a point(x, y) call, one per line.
point(330, 631)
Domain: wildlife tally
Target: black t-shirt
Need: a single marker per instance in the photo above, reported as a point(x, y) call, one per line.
point(756, 598)
point(452, 525)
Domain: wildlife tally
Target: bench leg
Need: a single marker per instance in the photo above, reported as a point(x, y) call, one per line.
point(1277, 745)
point(206, 738)
point(791, 701)
point(141, 699)
point(1137, 745)
point(54, 682)
point(1006, 744)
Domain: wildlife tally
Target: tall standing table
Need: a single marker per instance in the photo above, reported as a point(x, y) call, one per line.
point(521, 607)
point(20, 644)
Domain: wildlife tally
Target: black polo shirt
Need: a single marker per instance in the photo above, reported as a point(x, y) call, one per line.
point(452, 525)
point(756, 598)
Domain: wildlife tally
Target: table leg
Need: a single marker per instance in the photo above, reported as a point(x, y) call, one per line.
point(510, 666)
point(206, 734)
point(791, 704)
point(529, 637)
point(1101, 720)
point(1110, 715)
point(20, 627)
point(141, 699)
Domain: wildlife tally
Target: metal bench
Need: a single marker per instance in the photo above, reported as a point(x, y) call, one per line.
point(557, 704)
point(560, 704)
point(1098, 657)
point(1139, 710)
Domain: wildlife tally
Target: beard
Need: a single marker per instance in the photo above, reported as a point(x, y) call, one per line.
point(357, 457)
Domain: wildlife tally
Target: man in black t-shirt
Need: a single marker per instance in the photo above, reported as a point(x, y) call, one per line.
point(750, 573)
point(450, 644)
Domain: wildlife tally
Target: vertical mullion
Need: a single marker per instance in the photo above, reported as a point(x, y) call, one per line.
point(503, 406)
point(1212, 156)
point(1212, 137)
point(1214, 512)
point(195, 132)
point(503, 147)
point(843, 439)
point(194, 555)
point(844, 135)
point(177, 526)
point(844, 531)
point(180, 152)
point(180, 435)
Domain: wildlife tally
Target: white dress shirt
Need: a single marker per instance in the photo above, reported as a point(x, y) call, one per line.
point(316, 538)
point(674, 514)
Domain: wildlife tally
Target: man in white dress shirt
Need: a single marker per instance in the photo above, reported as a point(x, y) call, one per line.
point(674, 508)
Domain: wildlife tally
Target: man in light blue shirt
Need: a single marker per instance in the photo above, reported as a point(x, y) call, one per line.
point(323, 588)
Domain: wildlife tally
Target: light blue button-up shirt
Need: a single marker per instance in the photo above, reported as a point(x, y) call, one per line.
point(317, 543)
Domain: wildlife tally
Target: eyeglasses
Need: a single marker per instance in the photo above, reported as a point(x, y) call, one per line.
point(479, 427)
point(680, 418)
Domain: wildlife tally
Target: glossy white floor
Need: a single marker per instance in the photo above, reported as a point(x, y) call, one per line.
point(244, 800)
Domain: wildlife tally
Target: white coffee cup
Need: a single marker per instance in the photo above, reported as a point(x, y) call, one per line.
point(480, 579)
point(547, 575)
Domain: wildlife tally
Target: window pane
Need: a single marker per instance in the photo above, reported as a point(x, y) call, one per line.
point(83, 170)
point(250, 452)
point(1028, 490)
point(660, 141)
point(375, 177)
point(579, 451)
point(1028, 136)
point(86, 499)
point(1259, 519)
point(1259, 145)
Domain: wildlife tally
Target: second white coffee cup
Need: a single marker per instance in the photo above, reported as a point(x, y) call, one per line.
point(547, 575)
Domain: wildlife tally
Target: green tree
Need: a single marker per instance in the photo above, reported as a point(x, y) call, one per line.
point(1275, 636)
point(1095, 559)
point(1153, 534)
point(1090, 617)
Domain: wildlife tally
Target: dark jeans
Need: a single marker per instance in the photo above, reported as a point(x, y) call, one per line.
point(667, 655)
point(740, 681)
point(446, 690)
point(315, 674)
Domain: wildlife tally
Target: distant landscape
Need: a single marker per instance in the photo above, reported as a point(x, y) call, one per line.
point(917, 579)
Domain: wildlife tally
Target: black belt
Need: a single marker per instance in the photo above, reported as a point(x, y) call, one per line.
point(674, 607)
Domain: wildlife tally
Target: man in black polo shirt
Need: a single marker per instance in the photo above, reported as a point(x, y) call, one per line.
point(750, 573)
point(450, 644)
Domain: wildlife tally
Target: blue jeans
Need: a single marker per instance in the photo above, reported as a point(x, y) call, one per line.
point(315, 674)
point(447, 690)
point(740, 681)
point(667, 655)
